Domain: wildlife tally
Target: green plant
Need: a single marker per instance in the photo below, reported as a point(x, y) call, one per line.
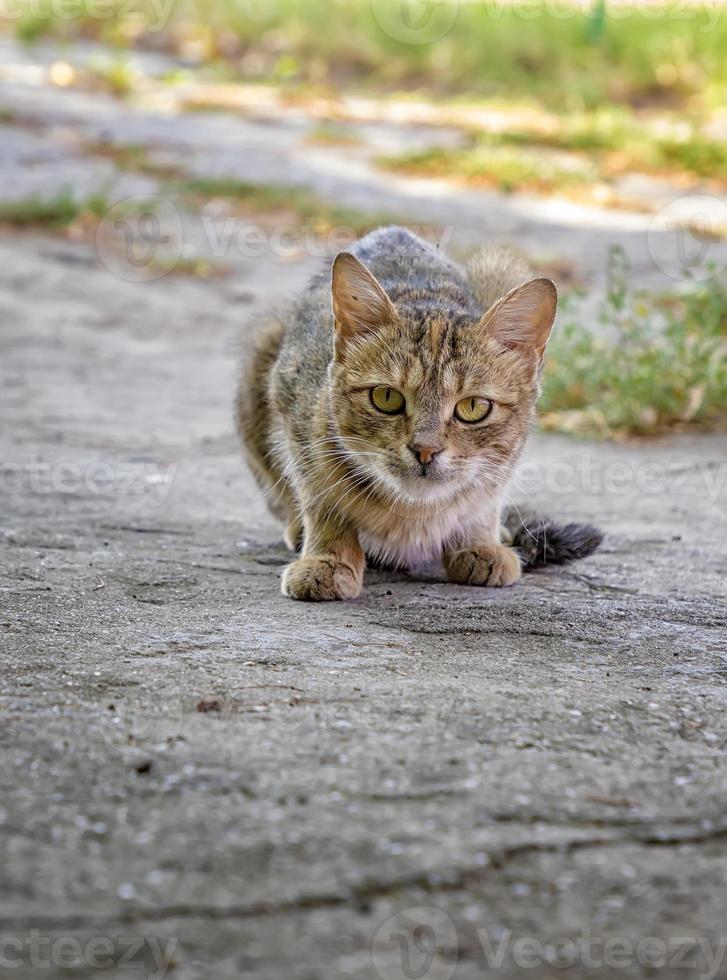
point(261, 197)
point(59, 210)
point(658, 363)
point(491, 161)
point(489, 48)
point(599, 144)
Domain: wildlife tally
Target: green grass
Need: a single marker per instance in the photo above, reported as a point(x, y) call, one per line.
point(195, 192)
point(660, 363)
point(118, 75)
point(332, 134)
point(64, 208)
point(263, 198)
point(618, 140)
point(494, 163)
point(566, 61)
point(132, 157)
point(57, 211)
point(601, 144)
point(304, 206)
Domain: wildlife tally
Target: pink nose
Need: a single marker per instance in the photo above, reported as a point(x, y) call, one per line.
point(425, 454)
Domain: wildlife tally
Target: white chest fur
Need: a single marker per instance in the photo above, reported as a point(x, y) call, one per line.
point(416, 537)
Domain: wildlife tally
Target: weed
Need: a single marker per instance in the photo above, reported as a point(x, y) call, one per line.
point(488, 48)
point(60, 210)
point(658, 363)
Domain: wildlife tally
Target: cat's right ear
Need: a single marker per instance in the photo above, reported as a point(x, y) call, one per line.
point(524, 317)
point(360, 305)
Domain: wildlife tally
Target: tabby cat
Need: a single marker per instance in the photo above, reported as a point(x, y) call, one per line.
point(384, 413)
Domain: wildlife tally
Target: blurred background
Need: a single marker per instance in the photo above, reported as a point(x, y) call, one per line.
point(226, 141)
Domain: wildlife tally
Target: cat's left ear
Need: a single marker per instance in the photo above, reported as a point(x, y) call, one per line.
point(360, 304)
point(524, 317)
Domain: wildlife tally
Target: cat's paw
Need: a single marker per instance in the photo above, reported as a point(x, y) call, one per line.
point(320, 579)
point(493, 565)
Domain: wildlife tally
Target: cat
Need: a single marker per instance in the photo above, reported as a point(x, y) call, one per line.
point(384, 413)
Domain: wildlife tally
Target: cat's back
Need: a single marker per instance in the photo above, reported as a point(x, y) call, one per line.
point(406, 265)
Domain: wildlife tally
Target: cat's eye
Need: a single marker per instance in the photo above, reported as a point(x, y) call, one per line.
point(387, 400)
point(472, 409)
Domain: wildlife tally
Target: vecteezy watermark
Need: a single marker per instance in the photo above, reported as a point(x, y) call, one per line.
point(422, 943)
point(415, 21)
point(650, 10)
point(704, 481)
point(149, 480)
point(141, 238)
point(698, 954)
point(145, 956)
point(687, 238)
point(153, 15)
point(419, 943)
point(287, 241)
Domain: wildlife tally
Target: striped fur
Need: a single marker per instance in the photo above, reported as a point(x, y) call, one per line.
point(347, 478)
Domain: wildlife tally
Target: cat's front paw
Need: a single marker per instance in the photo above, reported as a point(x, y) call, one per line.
point(320, 579)
point(493, 564)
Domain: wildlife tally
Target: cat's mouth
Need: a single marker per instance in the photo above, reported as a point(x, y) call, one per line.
point(413, 484)
point(424, 484)
point(428, 486)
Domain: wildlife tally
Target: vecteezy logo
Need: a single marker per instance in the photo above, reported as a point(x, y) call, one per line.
point(141, 238)
point(686, 237)
point(419, 943)
point(415, 21)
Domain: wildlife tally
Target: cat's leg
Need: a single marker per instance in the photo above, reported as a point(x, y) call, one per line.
point(478, 556)
point(293, 536)
point(331, 566)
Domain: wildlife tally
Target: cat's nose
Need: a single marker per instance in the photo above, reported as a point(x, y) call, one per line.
point(424, 453)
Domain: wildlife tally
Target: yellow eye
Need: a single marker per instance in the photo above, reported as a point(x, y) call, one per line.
point(387, 400)
point(472, 409)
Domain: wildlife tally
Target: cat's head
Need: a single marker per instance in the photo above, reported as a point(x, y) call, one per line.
point(429, 402)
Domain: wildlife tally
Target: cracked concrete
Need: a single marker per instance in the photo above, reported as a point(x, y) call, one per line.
point(543, 762)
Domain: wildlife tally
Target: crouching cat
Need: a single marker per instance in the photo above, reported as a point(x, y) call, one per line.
point(385, 412)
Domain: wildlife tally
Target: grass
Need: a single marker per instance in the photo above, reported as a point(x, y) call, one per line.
point(632, 91)
point(262, 198)
point(195, 192)
point(132, 157)
point(620, 141)
point(64, 210)
point(117, 75)
point(492, 162)
point(659, 365)
point(582, 148)
point(58, 211)
point(564, 59)
point(330, 134)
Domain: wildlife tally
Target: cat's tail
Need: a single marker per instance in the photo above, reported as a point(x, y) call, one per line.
point(494, 270)
point(542, 542)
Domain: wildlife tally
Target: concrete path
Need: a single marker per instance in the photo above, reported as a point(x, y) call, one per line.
point(201, 777)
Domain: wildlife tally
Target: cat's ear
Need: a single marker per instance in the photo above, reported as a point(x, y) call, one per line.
point(360, 305)
point(524, 316)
